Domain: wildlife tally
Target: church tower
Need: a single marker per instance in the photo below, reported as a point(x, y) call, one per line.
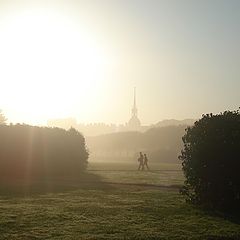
point(134, 109)
point(134, 123)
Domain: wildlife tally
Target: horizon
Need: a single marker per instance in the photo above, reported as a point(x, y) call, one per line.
point(96, 123)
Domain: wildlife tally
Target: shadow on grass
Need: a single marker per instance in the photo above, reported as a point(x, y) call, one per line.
point(231, 216)
point(88, 181)
point(222, 238)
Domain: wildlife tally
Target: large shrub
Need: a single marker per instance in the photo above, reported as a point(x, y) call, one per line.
point(38, 152)
point(211, 161)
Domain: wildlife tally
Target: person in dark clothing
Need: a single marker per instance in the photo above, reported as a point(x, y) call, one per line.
point(140, 160)
point(145, 161)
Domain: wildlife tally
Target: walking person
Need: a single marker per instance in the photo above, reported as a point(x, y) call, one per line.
point(145, 161)
point(140, 160)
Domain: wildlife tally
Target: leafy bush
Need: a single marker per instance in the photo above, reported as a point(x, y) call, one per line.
point(211, 161)
point(38, 152)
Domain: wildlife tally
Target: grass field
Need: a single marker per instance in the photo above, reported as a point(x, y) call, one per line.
point(112, 201)
point(159, 174)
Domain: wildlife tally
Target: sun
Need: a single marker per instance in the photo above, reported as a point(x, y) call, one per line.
point(50, 64)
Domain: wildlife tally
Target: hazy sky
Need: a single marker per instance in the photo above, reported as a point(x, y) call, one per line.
point(82, 59)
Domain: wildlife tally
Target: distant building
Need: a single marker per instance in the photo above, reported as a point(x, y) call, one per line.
point(93, 129)
point(134, 123)
point(65, 123)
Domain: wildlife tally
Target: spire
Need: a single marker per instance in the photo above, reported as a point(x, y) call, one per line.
point(134, 123)
point(134, 105)
point(134, 109)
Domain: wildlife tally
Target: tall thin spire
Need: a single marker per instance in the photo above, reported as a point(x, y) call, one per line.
point(134, 109)
point(134, 123)
point(134, 105)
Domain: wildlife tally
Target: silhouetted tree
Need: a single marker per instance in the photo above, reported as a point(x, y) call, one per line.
point(211, 161)
point(38, 152)
point(3, 119)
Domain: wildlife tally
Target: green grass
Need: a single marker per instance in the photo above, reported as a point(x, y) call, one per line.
point(159, 174)
point(91, 208)
point(131, 165)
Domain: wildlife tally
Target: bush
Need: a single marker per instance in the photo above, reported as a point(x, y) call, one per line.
point(38, 152)
point(211, 161)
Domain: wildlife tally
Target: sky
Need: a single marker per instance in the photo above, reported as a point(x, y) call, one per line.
point(82, 59)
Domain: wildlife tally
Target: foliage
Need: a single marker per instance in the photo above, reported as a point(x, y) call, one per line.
point(211, 162)
point(36, 152)
point(3, 119)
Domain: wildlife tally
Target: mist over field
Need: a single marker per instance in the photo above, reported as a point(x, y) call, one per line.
point(162, 144)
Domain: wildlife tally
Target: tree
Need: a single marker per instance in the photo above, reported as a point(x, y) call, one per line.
point(2, 118)
point(211, 161)
point(31, 152)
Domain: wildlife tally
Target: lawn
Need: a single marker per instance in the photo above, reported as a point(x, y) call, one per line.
point(159, 174)
point(110, 202)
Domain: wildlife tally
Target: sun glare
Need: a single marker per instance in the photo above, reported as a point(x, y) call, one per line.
point(50, 64)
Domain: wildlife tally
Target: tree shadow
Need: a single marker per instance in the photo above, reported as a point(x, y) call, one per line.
point(26, 187)
point(232, 216)
point(222, 238)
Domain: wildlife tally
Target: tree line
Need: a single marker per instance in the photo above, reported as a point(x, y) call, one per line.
point(162, 144)
point(39, 152)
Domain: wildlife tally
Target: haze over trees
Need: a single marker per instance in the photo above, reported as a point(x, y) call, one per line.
point(211, 162)
point(162, 144)
point(28, 152)
point(95, 129)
